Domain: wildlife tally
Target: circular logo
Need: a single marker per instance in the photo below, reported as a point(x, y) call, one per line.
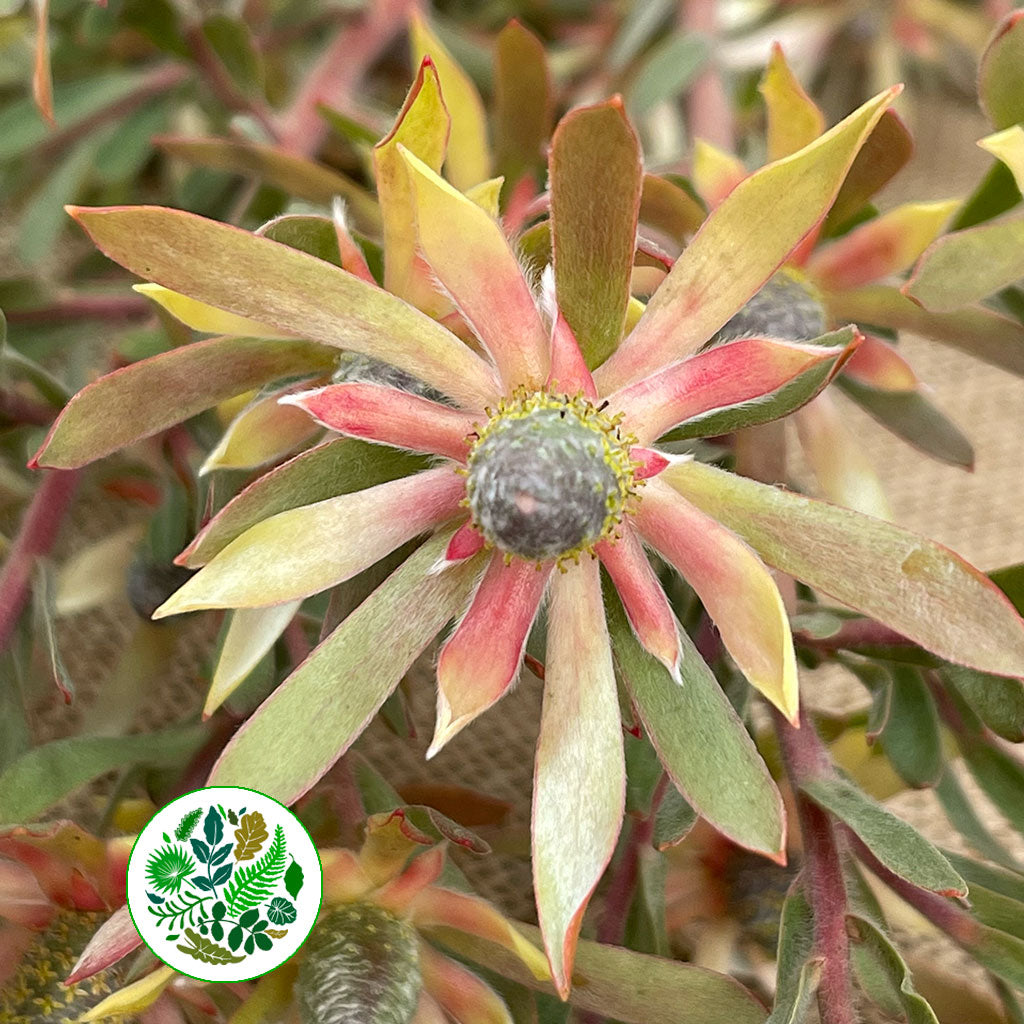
point(224, 884)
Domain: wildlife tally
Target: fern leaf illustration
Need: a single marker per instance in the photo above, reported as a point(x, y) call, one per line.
point(188, 824)
point(254, 883)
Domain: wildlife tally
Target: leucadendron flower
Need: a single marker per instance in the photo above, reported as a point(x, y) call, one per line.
point(544, 473)
point(370, 957)
point(844, 273)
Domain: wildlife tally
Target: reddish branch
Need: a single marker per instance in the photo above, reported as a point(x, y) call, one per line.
point(806, 758)
point(858, 633)
point(339, 70)
point(36, 537)
point(85, 307)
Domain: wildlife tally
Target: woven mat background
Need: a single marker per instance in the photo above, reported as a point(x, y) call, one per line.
point(978, 514)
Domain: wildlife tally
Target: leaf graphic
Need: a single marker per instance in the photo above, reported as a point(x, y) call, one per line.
point(251, 836)
point(220, 855)
point(232, 817)
point(213, 826)
point(222, 874)
point(207, 951)
point(188, 824)
point(201, 850)
point(293, 879)
point(253, 884)
point(167, 868)
point(277, 933)
point(281, 911)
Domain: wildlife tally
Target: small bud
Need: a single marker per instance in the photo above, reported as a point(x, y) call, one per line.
point(360, 966)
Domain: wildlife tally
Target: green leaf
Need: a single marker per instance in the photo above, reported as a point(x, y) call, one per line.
point(674, 820)
point(898, 846)
point(255, 277)
point(703, 745)
point(912, 416)
point(21, 127)
point(297, 175)
point(346, 679)
point(868, 937)
point(306, 232)
point(45, 620)
point(958, 807)
point(147, 397)
point(645, 923)
point(996, 193)
point(914, 585)
point(46, 774)
point(339, 466)
point(187, 825)
point(207, 951)
point(523, 102)
point(997, 701)
point(1002, 954)
point(233, 43)
point(665, 72)
point(596, 175)
point(668, 206)
point(1007, 881)
point(885, 151)
point(978, 332)
point(253, 883)
point(966, 266)
point(796, 974)
point(911, 737)
point(775, 405)
point(1001, 73)
point(622, 985)
point(1000, 776)
point(293, 879)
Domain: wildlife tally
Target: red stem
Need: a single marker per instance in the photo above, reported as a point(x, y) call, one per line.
point(18, 409)
point(36, 536)
point(85, 307)
point(806, 758)
point(339, 70)
point(856, 633)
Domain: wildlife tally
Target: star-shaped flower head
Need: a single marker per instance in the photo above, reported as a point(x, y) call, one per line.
point(544, 456)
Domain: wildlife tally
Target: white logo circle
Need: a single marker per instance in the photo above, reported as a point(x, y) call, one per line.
point(224, 884)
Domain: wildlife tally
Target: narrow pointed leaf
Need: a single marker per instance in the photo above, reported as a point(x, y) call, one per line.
point(154, 394)
point(1008, 146)
point(885, 151)
point(1000, 776)
point(391, 417)
point(780, 205)
point(794, 120)
point(523, 101)
point(960, 810)
point(979, 332)
point(643, 597)
point(264, 431)
point(733, 385)
point(469, 254)
point(46, 774)
point(901, 848)
point(306, 550)
point(715, 172)
point(875, 943)
point(580, 775)
point(133, 998)
point(665, 71)
point(595, 177)
point(798, 971)
point(911, 737)
point(207, 319)
point(469, 160)
point(338, 467)
point(998, 702)
point(967, 266)
point(734, 585)
point(1001, 73)
point(701, 742)
point(914, 585)
point(114, 939)
point(250, 635)
point(879, 365)
point(879, 247)
point(343, 683)
point(278, 285)
point(298, 176)
point(669, 208)
point(422, 127)
point(912, 416)
point(482, 657)
point(463, 995)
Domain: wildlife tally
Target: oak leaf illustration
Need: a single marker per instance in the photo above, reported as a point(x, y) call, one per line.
point(251, 835)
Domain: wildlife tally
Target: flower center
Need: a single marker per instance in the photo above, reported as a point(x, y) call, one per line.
point(787, 306)
point(549, 476)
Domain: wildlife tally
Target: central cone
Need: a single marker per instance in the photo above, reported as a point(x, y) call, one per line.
point(548, 477)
